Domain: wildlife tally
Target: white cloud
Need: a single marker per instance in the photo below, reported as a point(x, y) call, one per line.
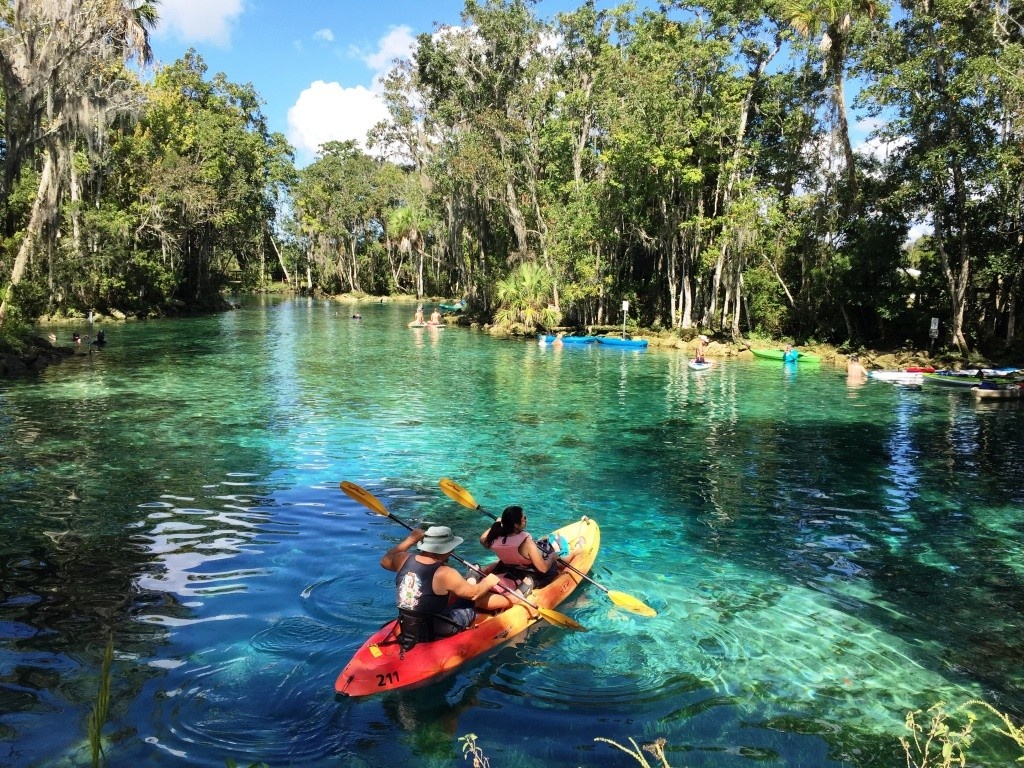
point(398, 43)
point(873, 146)
point(328, 112)
point(195, 21)
point(325, 35)
point(331, 112)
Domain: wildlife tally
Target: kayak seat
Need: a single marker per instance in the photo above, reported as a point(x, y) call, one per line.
point(416, 627)
point(517, 574)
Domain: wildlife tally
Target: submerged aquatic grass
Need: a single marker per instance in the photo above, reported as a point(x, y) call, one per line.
point(822, 559)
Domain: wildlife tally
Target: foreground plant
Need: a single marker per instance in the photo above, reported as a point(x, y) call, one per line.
point(470, 749)
point(935, 743)
point(1013, 731)
point(101, 710)
point(657, 748)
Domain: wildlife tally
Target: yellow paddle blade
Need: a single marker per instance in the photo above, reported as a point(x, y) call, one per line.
point(560, 620)
point(364, 497)
point(630, 603)
point(455, 491)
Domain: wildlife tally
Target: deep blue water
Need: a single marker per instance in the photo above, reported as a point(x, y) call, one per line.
point(823, 558)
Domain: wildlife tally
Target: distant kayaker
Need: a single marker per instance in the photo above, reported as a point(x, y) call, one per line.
point(790, 355)
point(702, 346)
point(524, 562)
point(558, 340)
point(425, 581)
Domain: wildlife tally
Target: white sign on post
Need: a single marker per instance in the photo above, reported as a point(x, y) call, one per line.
point(934, 332)
point(625, 306)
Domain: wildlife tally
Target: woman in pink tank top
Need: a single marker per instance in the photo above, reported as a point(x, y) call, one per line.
point(515, 547)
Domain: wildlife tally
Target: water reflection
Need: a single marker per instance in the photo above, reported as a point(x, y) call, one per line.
point(822, 559)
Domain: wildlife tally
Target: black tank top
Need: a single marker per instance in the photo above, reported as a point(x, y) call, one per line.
point(415, 587)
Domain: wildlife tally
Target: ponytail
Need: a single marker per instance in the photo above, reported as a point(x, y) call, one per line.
point(505, 525)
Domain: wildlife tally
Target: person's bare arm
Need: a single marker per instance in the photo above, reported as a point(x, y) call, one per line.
point(450, 580)
point(529, 550)
point(395, 557)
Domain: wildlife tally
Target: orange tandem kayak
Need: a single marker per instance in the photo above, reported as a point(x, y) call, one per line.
point(380, 666)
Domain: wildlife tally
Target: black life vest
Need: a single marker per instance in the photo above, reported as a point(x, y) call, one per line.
point(422, 613)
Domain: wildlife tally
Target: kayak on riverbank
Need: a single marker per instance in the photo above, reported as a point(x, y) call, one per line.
point(616, 341)
point(779, 355)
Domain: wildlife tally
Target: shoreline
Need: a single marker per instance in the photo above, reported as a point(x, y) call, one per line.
point(42, 352)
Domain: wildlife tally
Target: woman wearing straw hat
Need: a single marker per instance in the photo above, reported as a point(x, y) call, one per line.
point(425, 582)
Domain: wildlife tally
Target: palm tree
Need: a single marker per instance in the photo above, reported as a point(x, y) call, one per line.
point(61, 68)
point(834, 20)
point(525, 297)
point(405, 226)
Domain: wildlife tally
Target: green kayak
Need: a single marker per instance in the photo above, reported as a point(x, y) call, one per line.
point(778, 354)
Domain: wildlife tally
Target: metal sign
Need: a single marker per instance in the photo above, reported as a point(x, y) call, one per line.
point(934, 332)
point(625, 306)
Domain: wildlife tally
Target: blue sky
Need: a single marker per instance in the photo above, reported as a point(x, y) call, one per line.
point(316, 63)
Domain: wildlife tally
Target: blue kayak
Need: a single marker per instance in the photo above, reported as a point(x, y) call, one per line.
point(569, 339)
point(615, 341)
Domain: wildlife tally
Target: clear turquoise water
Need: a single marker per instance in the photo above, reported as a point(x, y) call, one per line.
point(822, 558)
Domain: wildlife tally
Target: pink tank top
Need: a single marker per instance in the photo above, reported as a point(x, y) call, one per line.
point(507, 548)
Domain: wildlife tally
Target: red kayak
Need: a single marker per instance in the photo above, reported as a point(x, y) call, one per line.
point(379, 665)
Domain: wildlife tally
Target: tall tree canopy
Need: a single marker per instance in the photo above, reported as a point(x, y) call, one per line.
point(700, 159)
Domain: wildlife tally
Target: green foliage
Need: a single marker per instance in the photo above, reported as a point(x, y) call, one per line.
point(525, 297)
point(766, 303)
point(101, 710)
point(697, 160)
point(15, 336)
point(944, 737)
point(1009, 729)
point(344, 203)
point(936, 743)
point(29, 301)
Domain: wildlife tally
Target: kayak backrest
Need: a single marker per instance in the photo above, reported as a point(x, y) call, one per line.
point(415, 627)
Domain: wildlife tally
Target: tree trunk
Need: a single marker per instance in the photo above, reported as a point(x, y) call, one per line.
point(1011, 301)
point(280, 258)
point(739, 304)
point(957, 280)
point(584, 136)
point(517, 220)
point(843, 128)
point(756, 72)
point(42, 210)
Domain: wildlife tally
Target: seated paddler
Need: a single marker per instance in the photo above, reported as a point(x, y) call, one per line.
point(434, 600)
point(522, 561)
